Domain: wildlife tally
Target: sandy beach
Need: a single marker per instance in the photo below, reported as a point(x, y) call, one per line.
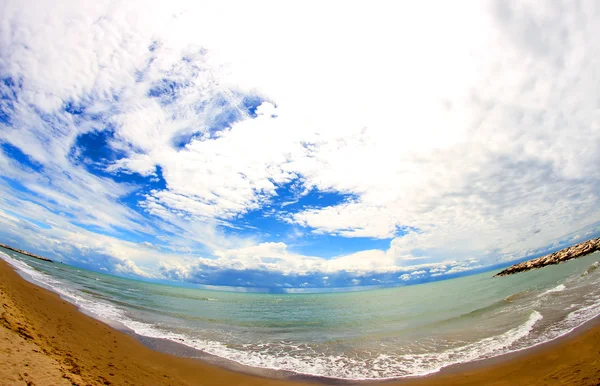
point(47, 341)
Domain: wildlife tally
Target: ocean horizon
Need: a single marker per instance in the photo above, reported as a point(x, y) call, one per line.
point(374, 334)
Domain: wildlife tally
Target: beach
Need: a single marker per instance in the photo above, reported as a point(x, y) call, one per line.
point(46, 340)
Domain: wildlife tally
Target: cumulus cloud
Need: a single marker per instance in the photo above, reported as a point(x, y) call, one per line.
point(463, 136)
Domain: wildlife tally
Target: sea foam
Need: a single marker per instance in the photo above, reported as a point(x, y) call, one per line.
point(558, 288)
point(284, 355)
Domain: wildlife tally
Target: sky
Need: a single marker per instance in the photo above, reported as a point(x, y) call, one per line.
point(302, 145)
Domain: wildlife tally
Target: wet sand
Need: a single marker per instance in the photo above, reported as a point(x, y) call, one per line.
point(45, 340)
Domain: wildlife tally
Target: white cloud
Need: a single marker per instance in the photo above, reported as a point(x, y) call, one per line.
point(418, 274)
point(473, 127)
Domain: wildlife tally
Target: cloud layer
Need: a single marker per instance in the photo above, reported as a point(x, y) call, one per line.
point(245, 145)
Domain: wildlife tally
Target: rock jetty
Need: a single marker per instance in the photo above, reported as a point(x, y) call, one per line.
point(573, 252)
point(22, 252)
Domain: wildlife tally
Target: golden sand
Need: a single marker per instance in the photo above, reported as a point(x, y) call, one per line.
point(46, 341)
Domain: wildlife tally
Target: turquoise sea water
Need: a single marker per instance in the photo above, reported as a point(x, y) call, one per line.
point(376, 334)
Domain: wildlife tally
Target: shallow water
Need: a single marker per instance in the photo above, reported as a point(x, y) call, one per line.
point(376, 334)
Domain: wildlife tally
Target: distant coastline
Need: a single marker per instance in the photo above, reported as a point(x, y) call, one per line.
point(572, 252)
point(25, 253)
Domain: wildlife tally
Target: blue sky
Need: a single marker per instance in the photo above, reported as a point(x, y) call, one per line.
point(151, 142)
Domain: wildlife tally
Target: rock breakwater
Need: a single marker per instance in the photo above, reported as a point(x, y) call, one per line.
point(22, 252)
point(572, 252)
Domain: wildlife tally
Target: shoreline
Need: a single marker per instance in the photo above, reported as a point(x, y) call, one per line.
point(40, 317)
point(181, 350)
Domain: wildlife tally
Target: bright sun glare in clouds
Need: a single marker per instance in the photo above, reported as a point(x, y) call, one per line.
point(268, 143)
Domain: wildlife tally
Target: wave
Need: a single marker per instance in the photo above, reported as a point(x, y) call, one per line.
point(334, 366)
point(304, 359)
point(516, 296)
point(591, 268)
point(558, 288)
point(476, 312)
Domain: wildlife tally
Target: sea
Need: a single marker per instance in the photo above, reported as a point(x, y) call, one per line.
point(362, 335)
